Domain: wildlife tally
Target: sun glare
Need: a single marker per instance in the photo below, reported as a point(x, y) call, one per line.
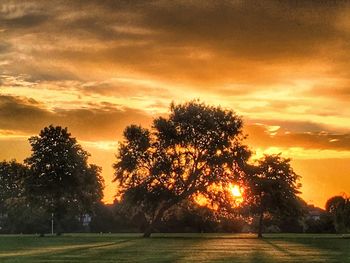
point(235, 195)
point(235, 191)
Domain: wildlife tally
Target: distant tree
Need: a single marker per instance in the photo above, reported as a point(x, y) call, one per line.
point(339, 208)
point(272, 188)
point(103, 221)
point(323, 224)
point(17, 214)
point(112, 218)
point(12, 175)
point(188, 216)
point(293, 222)
point(195, 147)
point(61, 180)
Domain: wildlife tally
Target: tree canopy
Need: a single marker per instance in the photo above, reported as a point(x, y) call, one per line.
point(339, 208)
point(12, 191)
point(272, 187)
point(12, 175)
point(182, 155)
point(61, 179)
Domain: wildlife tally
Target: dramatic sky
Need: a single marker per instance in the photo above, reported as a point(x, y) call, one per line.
point(97, 66)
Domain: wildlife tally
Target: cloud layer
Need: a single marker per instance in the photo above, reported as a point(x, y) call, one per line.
point(97, 66)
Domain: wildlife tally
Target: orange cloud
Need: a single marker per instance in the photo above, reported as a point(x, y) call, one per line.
point(97, 66)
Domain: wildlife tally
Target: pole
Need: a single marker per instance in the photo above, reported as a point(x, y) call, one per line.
point(51, 223)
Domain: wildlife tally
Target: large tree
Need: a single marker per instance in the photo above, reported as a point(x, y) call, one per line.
point(61, 179)
point(272, 188)
point(184, 154)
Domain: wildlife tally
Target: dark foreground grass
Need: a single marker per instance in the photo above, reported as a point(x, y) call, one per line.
point(175, 248)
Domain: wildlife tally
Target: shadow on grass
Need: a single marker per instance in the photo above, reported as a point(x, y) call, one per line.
point(39, 251)
point(279, 248)
point(177, 248)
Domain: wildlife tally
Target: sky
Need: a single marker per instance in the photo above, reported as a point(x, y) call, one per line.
point(98, 66)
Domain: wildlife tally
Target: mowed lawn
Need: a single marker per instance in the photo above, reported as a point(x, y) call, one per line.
point(175, 248)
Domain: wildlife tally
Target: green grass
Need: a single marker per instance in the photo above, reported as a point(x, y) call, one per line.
point(175, 248)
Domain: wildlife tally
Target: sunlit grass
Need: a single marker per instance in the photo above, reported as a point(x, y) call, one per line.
point(175, 248)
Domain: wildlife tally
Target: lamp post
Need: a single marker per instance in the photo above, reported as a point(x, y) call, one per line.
point(51, 223)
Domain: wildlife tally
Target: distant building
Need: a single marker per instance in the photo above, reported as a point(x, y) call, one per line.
point(314, 212)
point(86, 219)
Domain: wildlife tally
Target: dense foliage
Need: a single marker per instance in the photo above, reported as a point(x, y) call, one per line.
point(61, 181)
point(339, 209)
point(272, 188)
point(183, 155)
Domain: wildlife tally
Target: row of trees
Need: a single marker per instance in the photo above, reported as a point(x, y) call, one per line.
point(55, 182)
point(198, 151)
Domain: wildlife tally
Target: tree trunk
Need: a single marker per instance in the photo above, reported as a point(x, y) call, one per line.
point(58, 226)
point(156, 219)
point(260, 224)
point(148, 231)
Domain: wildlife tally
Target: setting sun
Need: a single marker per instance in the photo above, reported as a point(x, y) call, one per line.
point(237, 193)
point(235, 190)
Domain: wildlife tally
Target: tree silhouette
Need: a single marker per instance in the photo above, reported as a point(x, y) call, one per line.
point(272, 187)
point(61, 179)
point(12, 191)
point(17, 214)
point(12, 175)
point(185, 153)
point(339, 208)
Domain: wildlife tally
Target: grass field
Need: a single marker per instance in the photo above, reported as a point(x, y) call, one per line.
point(175, 248)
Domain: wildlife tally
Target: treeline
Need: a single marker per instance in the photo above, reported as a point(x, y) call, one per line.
point(54, 184)
point(192, 218)
point(177, 176)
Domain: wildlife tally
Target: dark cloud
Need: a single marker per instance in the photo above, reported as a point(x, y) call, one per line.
point(23, 22)
point(98, 122)
point(101, 123)
point(124, 88)
point(260, 136)
point(21, 114)
point(106, 121)
point(203, 41)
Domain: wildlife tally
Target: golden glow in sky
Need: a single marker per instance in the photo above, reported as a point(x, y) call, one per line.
point(235, 196)
point(98, 66)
